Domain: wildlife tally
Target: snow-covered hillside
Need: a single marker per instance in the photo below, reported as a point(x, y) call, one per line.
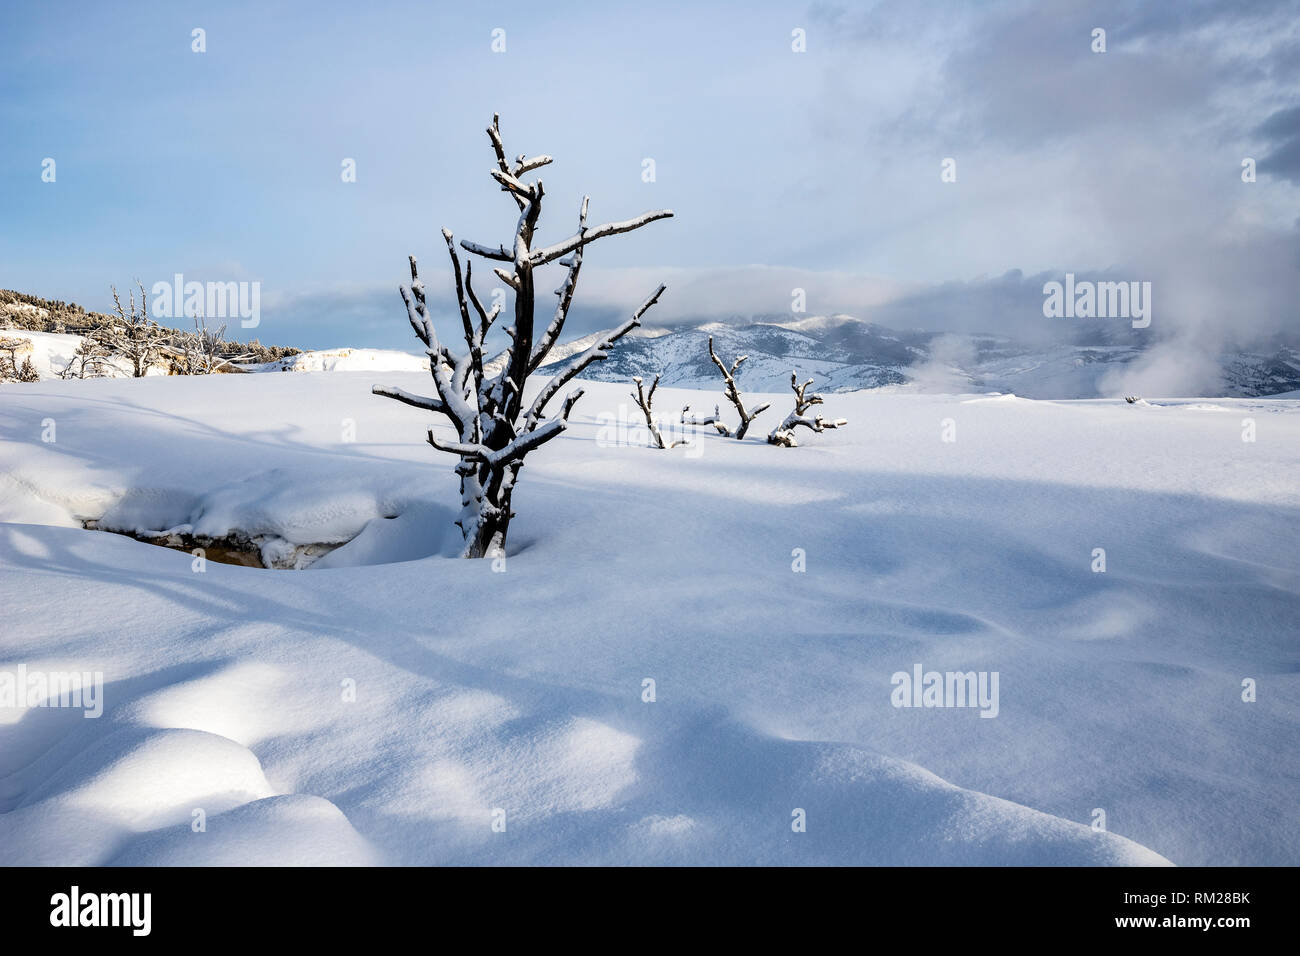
point(842, 353)
point(51, 353)
point(362, 711)
point(845, 354)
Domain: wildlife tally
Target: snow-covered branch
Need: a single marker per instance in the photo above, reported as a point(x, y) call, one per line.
point(523, 165)
point(691, 418)
point(508, 181)
point(494, 134)
point(733, 395)
point(473, 333)
point(565, 292)
point(783, 434)
point(584, 236)
point(417, 311)
point(401, 395)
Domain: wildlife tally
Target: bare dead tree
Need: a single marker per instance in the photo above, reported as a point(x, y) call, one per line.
point(183, 355)
point(9, 347)
point(783, 434)
point(215, 354)
point(485, 406)
point(10, 369)
point(204, 351)
point(645, 401)
point(733, 395)
point(90, 360)
point(136, 337)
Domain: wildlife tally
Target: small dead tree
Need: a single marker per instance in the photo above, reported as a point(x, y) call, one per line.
point(10, 368)
point(9, 348)
point(212, 352)
point(203, 351)
point(645, 401)
point(733, 395)
point(783, 434)
point(137, 338)
point(90, 360)
point(183, 354)
point(485, 404)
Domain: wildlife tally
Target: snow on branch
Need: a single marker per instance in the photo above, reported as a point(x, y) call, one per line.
point(494, 134)
point(565, 292)
point(523, 165)
point(783, 434)
point(560, 249)
point(454, 405)
point(401, 395)
point(508, 181)
point(691, 418)
point(584, 236)
point(500, 252)
point(733, 395)
point(464, 293)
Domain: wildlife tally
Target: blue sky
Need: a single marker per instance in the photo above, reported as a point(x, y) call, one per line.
point(819, 169)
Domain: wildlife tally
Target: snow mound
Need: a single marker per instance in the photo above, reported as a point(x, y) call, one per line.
point(291, 830)
point(743, 794)
point(994, 398)
point(157, 782)
point(123, 782)
point(294, 523)
point(346, 360)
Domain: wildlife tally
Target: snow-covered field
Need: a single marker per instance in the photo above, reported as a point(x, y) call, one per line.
point(389, 702)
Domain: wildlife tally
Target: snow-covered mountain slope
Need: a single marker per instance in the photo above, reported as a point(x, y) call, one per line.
point(844, 354)
point(840, 352)
point(363, 711)
point(869, 357)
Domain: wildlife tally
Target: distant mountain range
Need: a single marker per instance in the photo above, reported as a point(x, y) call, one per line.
point(843, 353)
point(840, 352)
